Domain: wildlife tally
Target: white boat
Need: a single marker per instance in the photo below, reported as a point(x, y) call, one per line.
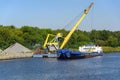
point(90, 48)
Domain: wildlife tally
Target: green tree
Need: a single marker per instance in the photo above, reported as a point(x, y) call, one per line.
point(101, 43)
point(112, 41)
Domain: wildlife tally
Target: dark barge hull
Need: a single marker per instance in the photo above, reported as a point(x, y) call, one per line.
point(68, 54)
point(79, 57)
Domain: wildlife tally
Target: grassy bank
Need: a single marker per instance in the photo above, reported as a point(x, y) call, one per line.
point(107, 49)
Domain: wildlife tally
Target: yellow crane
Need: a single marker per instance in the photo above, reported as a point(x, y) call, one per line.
point(55, 43)
point(52, 44)
point(76, 25)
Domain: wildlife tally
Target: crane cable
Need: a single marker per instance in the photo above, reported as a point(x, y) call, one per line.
point(92, 18)
point(72, 22)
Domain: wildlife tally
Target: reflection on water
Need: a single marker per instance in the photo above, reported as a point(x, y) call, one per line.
point(106, 67)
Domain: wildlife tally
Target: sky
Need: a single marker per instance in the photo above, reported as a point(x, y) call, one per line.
point(56, 14)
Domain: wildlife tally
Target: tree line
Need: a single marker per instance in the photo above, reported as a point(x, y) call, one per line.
point(29, 36)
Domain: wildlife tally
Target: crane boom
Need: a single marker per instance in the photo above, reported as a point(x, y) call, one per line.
point(76, 25)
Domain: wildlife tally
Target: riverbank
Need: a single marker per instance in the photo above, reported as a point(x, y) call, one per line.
point(6, 56)
point(107, 49)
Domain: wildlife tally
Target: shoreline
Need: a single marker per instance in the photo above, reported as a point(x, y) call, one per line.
point(10, 56)
point(107, 49)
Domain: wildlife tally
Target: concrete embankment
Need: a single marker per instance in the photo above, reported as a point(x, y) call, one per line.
point(6, 56)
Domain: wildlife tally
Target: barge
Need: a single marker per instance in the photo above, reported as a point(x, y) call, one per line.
point(52, 44)
point(86, 51)
point(69, 54)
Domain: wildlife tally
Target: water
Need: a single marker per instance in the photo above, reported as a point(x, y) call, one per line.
point(106, 67)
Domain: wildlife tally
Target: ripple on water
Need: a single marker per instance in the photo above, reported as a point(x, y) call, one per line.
point(106, 67)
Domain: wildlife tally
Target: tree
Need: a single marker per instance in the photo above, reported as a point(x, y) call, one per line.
point(101, 43)
point(94, 35)
point(112, 41)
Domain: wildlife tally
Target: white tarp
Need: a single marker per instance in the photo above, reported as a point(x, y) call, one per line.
point(17, 48)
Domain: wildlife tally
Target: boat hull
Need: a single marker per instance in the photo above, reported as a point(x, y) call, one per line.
point(68, 54)
point(79, 56)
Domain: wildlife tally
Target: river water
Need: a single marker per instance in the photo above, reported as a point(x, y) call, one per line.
point(106, 67)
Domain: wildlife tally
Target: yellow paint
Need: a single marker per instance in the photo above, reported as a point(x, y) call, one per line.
point(75, 26)
point(53, 41)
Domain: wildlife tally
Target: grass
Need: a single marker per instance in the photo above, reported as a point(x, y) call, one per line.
point(107, 49)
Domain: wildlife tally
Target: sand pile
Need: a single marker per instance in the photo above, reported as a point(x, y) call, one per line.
point(16, 51)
